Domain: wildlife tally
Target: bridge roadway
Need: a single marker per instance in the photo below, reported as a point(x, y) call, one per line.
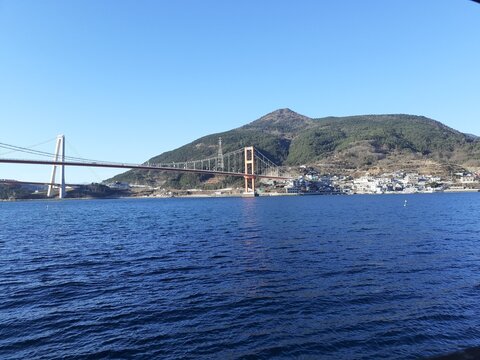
point(18, 182)
point(135, 166)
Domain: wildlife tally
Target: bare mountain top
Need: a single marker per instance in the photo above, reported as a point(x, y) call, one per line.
point(282, 122)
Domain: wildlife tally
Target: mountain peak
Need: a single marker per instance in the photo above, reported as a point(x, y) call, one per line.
point(284, 111)
point(284, 114)
point(281, 122)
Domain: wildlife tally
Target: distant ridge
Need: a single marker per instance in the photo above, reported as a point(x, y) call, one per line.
point(341, 145)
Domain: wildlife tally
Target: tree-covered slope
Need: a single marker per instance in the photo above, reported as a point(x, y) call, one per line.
point(382, 133)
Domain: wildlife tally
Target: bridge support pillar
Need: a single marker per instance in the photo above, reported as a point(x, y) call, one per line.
point(59, 156)
point(249, 153)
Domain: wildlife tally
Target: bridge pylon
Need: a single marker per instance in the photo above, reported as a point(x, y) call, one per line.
point(249, 176)
point(59, 156)
point(220, 162)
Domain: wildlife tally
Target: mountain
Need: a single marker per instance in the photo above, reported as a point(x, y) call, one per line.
point(342, 145)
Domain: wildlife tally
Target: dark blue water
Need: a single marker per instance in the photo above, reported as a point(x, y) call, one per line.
point(359, 277)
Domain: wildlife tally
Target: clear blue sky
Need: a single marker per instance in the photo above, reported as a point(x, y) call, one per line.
point(127, 80)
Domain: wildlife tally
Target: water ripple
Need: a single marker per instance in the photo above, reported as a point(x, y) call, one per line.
point(304, 277)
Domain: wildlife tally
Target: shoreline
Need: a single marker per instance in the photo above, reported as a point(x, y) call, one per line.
point(205, 196)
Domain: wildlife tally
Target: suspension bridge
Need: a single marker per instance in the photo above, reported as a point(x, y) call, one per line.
point(247, 162)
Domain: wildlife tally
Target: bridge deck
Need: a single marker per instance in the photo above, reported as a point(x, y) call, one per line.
point(135, 166)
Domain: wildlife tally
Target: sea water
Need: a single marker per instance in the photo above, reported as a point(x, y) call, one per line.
point(330, 277)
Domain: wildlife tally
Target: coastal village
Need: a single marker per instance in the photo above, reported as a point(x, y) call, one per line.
point(388, 183)
point(311, 182)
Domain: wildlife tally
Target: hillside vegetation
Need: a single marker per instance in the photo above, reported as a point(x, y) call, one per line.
point(336, 144)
